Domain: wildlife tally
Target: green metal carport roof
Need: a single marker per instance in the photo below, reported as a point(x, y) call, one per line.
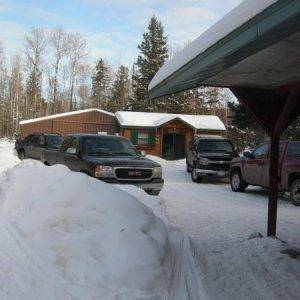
point(255, 51)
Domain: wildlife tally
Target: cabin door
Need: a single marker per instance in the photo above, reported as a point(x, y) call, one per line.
point(173, 146)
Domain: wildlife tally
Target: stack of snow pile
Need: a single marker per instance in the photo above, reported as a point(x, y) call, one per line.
point(66, 235)
point(7, 157)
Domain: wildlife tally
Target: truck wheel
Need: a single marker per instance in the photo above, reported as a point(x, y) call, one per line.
point(188, 168)
point(155, 193)
point(237, 182)
point(295, 192)
point(21, 154)
point(195, 176)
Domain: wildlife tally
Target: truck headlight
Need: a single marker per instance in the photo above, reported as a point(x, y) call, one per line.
point(104, 171)
point(157, 172)
point(203, 161)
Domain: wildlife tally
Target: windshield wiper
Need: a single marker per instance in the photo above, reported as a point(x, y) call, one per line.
point(123, 153)
point(100, 153)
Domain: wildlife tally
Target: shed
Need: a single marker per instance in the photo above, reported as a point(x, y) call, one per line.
point(166, 135)
point(81, 121)
point(255, 51)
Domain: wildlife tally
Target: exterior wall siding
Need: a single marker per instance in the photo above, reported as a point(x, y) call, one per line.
point(176, 126)
point(152, 150)
point(86, 122)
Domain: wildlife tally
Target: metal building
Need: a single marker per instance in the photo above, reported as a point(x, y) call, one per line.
point(82, 121)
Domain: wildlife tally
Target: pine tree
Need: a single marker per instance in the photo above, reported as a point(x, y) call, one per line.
point(120, 90)
point(242, 120)
point(153, 53)
point(33, 95)
point(100, 85)
point(35, 46)
point(293, 131)
point(241, 117)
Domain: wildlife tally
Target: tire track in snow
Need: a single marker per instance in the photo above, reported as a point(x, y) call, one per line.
point(185, 284)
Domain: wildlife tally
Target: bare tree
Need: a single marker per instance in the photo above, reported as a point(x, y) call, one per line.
point(4, 108)
point(77, 51)
point(83, 86)
point(58, 43)
point(16, 90)
point(35, 47)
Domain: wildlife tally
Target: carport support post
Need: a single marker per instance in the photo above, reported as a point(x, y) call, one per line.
point(273, 187)
point(276, 110)
point(268, 119)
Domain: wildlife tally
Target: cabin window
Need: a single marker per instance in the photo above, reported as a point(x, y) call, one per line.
point(142, 138)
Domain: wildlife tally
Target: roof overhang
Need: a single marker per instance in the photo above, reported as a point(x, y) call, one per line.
point(253, 55)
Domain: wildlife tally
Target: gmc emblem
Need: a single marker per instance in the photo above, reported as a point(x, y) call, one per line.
point(135, 173)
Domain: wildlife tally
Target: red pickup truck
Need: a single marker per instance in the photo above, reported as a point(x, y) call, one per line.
point(253, 169)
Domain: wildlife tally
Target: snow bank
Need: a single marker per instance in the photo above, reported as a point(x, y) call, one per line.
point(7, 157)
point(67, 235)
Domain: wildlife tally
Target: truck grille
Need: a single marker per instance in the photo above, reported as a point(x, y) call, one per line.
point(216, 167)
point(133, 174)
point(226, 159)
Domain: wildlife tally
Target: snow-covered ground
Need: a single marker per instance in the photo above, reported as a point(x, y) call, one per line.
point(65, 235)
point(218, 223)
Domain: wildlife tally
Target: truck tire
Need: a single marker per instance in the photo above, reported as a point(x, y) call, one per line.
point(85, 172)
point(237, 182)
point(195, 176)
point(188, 167)
point(21, 154)
point(295, 192)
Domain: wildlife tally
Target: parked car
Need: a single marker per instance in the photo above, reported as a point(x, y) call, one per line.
point(209, 156)
point(253, 169)
point(33, 145)
point(111, 159)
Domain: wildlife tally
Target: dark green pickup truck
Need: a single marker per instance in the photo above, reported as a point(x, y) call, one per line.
point(112, 159)
point(33, 145)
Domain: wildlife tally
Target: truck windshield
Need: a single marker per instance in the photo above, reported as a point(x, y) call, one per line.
point(108, 146)
point(214, 146)
point(294, 149)
point(53, 141)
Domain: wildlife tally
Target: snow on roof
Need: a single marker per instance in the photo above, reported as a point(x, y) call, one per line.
point(244, 12)
point(66, 115)
point(146, 119)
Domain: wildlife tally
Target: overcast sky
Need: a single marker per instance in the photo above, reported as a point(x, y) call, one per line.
point(113, 28)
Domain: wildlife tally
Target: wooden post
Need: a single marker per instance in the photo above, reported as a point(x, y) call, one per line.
point(273, 187)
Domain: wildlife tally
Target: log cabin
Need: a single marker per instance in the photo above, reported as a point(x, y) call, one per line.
point(161, 134)
point(166, 135)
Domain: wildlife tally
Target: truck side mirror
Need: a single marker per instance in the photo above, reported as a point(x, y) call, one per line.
point(72, 151)
point(143, 153)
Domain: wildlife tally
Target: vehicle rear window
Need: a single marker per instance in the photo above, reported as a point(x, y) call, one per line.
point(293, 149)
point(214, 145)
point(108, 146)
point(53, 141)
